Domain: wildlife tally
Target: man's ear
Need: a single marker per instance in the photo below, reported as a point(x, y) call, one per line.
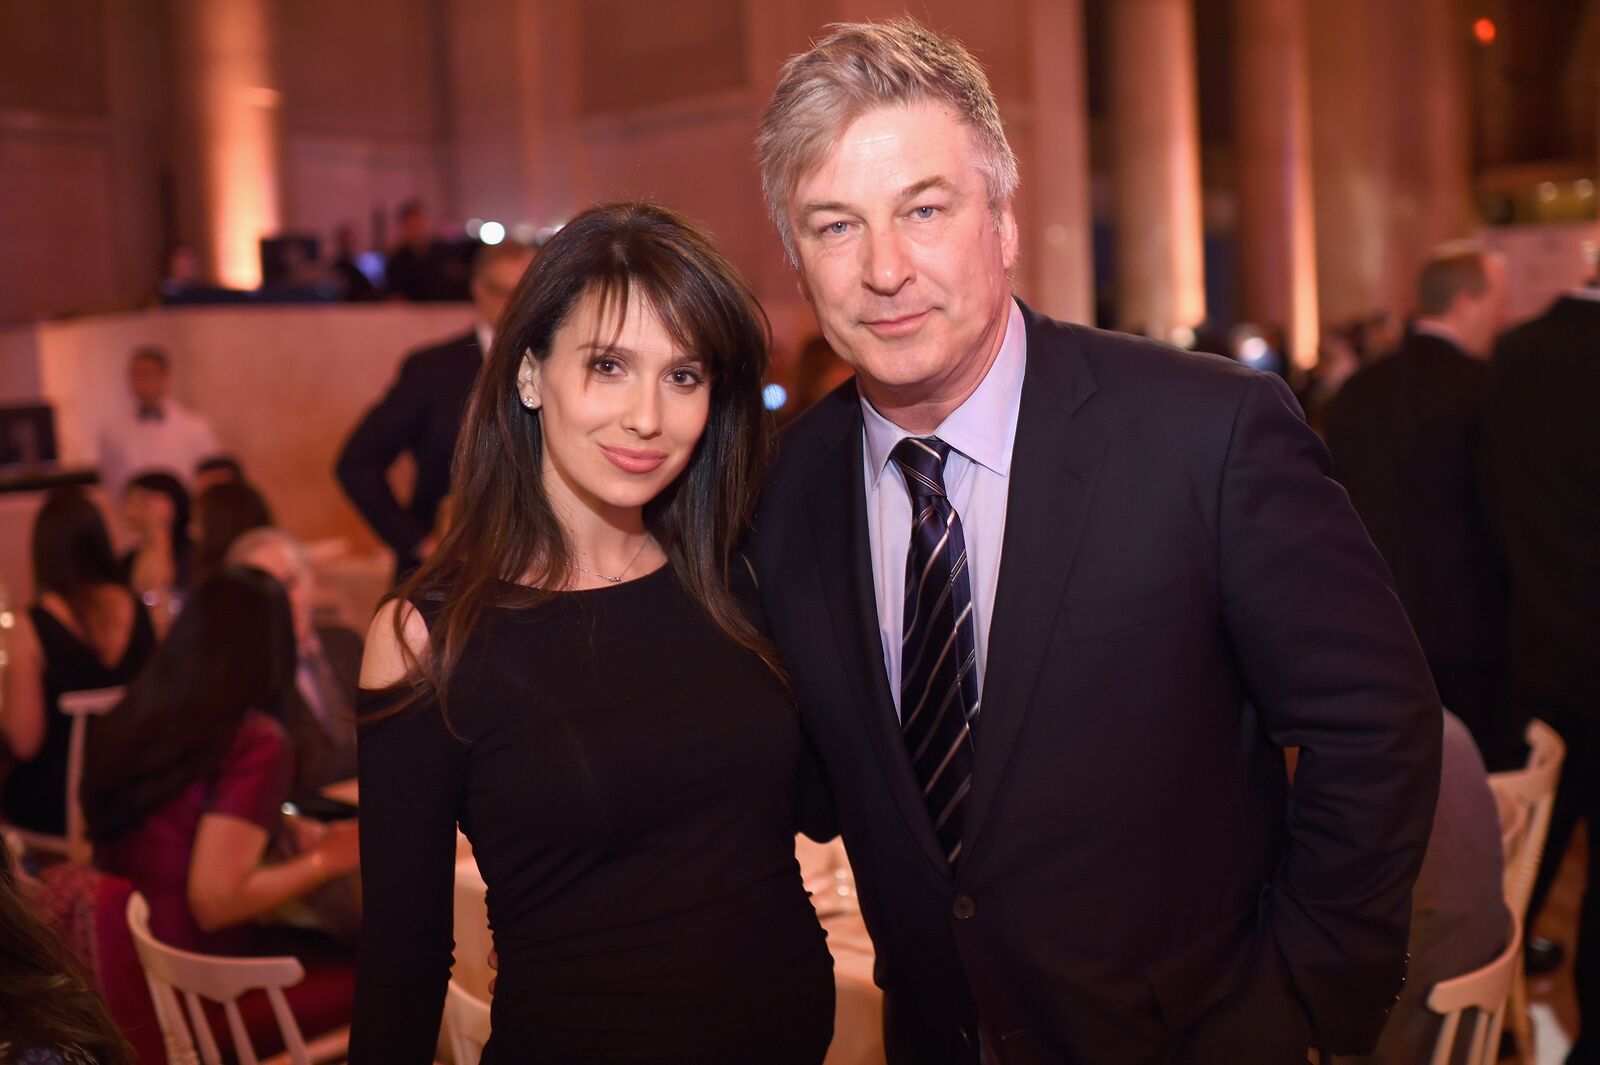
point(1008, 236)
point(801, 286)
point(528, 381)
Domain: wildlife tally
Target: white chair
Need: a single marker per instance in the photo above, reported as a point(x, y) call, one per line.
point(466, 1022)
point(80, 707)
point(1514, 816)
point(1485, 991)
point(1535, 786)
point(198, 977)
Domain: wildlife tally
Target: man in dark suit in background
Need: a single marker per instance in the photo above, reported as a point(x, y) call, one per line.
point(1544, 441)
point(1053, 602)
point(422, 414)
point(1407, 437)
point(321, 709)
point(421, 268)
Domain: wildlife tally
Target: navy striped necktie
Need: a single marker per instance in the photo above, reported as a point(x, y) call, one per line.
point(938, 653)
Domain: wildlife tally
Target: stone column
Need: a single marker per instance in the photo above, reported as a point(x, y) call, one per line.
point(1056, 168)
point(1277, 246)
point(518, 150)
point(1351, 158)
point(228, 102)
point(1156, 167)
point(1435, 138)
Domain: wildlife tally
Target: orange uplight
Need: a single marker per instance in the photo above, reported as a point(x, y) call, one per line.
point(1484, 30)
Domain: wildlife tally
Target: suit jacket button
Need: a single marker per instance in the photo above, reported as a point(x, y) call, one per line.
point(963, 907)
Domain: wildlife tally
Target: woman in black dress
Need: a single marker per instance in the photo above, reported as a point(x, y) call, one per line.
point(571, 680)
point(85, 631)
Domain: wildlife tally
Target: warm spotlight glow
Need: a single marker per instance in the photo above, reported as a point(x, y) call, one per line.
point(1548, 191)
point(1484, 30)
point(1584, 188)
point(492, 233)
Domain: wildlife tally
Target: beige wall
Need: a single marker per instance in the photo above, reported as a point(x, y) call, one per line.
point(283, 386)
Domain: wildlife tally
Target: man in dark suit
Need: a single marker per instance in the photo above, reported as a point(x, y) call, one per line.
point(422, 414)
point(320, 714)
point(1544, 443)
point(1407, 437)
point(1053, 601)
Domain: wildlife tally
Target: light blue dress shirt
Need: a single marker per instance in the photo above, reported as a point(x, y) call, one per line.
point(977, 476)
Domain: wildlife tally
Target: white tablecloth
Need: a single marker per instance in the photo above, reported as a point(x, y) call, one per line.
point(858, 1016)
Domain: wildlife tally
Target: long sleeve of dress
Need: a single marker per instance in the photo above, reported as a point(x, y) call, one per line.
point(412, 771)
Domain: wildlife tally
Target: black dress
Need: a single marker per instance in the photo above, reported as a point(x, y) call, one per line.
point(36, 791)
point(626, 775)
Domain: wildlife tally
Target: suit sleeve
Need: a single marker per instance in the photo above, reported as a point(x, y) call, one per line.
point(1331, 662)
point(813, 807)
point(389, 428)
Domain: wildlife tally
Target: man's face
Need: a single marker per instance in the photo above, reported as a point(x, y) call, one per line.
point(147, 379)
point(413, 228)
point(492, 287)
point(901, 255)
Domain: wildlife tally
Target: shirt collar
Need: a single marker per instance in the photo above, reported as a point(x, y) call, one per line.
point(1585, 292)
point(1432, 328)
point(984, 427)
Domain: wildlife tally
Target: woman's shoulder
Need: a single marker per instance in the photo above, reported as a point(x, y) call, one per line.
point(391, 649)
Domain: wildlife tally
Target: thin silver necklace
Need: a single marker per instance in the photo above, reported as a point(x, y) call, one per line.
point(618, 578)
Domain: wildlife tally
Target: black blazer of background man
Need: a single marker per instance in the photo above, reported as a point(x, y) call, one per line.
point(421, 413)
point(1408, 440)
point(1183, 592)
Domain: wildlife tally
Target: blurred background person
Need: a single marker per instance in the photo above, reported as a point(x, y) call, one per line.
point(222, 513)
point(818, 371)
point(180, 273)
point(219, 469)
point(1544, 432)
point(152, 431)
point(353, 283)
point(1459, 920)
point(1407, 437)
point(184, 780)
point(321, 722)
point(85, 630)
point(160, 565)
point(50, 1012)
point(421, 414)
point(422, 268)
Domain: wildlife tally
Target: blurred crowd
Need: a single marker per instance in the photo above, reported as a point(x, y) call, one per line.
point(1465, 446)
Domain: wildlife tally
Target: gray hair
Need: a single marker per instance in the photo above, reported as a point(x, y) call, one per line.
point(860, 66)
point(264, 536)
point(1452, 268)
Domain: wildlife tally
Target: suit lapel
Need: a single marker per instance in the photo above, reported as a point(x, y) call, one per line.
point(1054, 465)
point(844, 559)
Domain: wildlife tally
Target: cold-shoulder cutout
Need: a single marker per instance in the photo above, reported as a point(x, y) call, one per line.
point(383, 664)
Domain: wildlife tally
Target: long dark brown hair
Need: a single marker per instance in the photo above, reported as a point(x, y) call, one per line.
point(224, 512)
point(72, 552)
point(231, 650)
point(505, 528)
point(46, 1000)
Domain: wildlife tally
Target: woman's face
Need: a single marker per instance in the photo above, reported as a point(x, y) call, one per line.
point(149, 513)
point(621, 411)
